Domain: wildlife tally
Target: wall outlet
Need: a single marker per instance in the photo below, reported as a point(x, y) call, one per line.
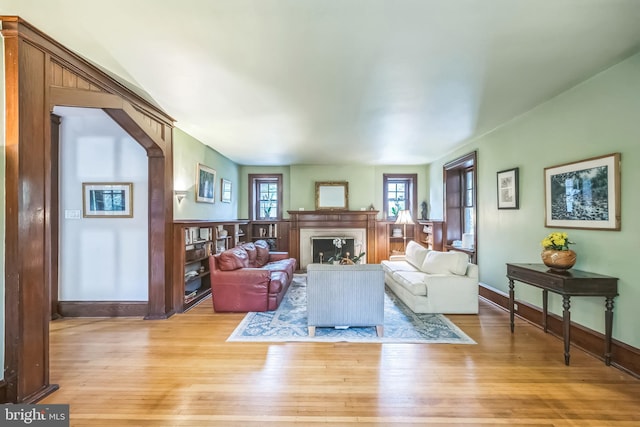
point(515, 306)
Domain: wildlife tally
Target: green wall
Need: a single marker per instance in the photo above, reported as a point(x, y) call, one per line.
point(187, 153)
point(365, 183)
point(597, 117)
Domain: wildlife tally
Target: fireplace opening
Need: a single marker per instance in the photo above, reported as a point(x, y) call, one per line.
point(323, 248)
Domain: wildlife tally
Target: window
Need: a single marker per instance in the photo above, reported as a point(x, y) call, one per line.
point(469, 202)
point(265, 197)
point(460, 191)
point(400, 193)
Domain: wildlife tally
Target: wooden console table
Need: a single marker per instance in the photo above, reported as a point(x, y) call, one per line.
point(568, 284)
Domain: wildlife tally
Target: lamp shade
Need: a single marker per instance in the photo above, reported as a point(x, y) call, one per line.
point(404, 217)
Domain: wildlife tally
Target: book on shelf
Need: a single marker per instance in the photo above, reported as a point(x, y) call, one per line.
point(205, 233)
point(190, 296)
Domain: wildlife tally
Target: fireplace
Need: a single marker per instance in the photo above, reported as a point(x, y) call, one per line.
point(315, 240)
point(322, 248)
point(306, 226)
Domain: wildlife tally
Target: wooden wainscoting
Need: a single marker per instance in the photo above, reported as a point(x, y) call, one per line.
point(102, 308)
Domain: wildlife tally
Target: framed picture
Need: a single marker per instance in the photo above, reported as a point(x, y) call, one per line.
point(225, 191)
point(107, 200)
point(508, 189)
point(584, 194)
point(205, 184)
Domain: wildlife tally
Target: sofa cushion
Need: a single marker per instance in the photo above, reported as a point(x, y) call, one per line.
point(251, 252)
point(233, 259)
point(277, 282)
point(262, 252)
point(445, 263)
point(415, 254)
point(413, 281)
point(284, 265)
point(392, 266)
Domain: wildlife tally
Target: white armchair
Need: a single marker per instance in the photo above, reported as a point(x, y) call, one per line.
point(345, 295)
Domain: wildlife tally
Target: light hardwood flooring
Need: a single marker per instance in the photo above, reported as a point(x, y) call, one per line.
point(181, 372)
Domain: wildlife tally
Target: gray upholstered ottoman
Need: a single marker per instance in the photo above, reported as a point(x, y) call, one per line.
point(345, 295)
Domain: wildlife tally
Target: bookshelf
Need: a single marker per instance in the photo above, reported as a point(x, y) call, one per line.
point(275, 233)
point(193, 242)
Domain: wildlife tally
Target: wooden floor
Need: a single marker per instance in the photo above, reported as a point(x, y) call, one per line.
point(181, 372)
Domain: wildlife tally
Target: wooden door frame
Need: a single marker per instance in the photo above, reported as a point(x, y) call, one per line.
point(40, 74)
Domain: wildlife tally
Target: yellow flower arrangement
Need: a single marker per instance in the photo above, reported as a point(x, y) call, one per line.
point(557, 241)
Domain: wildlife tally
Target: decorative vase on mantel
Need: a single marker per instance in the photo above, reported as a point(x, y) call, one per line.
point(559, 260)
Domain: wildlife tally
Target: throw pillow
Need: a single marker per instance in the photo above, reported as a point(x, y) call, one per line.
point(445, 263)
point(415, 254)
point(262, 252)
point(233, 259)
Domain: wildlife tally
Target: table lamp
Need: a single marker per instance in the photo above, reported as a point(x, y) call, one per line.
point(404, 218)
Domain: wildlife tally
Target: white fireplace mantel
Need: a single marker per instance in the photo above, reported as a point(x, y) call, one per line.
point(359, 235)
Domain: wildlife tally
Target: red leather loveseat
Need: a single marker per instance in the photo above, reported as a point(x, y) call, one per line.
point(250, 278)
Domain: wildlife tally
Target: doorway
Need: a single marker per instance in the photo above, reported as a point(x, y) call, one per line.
point(93, 150)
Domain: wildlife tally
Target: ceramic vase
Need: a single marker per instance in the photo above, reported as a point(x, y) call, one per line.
point(558, 260)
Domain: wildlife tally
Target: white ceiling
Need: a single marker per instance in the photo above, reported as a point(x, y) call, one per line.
point(276, 82)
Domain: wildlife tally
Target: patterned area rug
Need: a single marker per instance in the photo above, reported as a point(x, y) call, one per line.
point(401, 325)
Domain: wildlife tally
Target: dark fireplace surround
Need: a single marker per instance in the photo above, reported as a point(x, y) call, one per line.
point(323, 248)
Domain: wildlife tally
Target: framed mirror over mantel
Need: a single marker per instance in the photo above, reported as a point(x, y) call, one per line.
point(332, 195)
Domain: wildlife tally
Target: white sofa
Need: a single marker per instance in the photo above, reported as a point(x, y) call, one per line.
point(433, 282)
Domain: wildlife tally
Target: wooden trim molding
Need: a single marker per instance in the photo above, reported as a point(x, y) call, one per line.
point(331, 219)
point(623, 356)
point(102, 308)
point(39, 74)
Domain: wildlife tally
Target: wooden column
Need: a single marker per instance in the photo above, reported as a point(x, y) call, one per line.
point(39, 74)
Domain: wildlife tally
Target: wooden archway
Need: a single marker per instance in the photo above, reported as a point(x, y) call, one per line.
point(40, 74)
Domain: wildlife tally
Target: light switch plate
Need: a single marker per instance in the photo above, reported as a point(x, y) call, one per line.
point(71, 214)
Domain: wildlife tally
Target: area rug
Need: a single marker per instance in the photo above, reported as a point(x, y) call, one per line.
point(401, 325)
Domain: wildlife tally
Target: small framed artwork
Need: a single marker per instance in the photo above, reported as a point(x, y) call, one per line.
point(205, 183)
point(225, 191)
point(584, 194)
point(107, 200)
point(508, 197)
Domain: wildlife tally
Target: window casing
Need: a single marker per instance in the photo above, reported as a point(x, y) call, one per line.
point(265, 197)
point(469, 202)
point(400, 193)
point(460, 180)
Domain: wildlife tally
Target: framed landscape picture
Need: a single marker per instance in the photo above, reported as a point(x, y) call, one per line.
point(508, 189)
point(584, 194)
point(107, 200)
point(205, 184)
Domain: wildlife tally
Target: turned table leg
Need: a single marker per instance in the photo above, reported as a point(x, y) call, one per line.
point(511, 303)
point(608, 322)
point(566, 326)
point(545, 309)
